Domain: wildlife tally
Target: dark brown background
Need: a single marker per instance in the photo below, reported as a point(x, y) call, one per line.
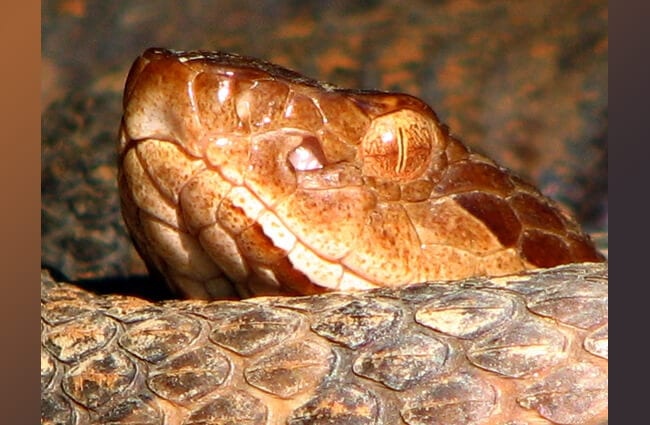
point(525, 82)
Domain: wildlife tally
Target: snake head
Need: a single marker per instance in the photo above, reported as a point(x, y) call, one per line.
point(236, 170)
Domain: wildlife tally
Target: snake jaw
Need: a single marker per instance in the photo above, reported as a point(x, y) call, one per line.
point(236, 168)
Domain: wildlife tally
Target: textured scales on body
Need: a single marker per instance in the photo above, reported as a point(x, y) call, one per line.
point(527, 349)
point(237, 170)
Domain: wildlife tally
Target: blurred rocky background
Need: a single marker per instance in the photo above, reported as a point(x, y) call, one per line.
point(524, 82)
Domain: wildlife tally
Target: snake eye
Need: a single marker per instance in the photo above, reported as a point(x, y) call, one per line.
point(308, 155)
point(398, 145)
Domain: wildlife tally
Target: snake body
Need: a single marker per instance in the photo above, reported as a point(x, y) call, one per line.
point(237, 170)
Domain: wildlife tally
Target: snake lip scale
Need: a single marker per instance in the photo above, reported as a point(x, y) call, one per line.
point(433, 285)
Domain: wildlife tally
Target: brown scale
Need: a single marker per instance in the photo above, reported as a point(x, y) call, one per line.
point(250, 173)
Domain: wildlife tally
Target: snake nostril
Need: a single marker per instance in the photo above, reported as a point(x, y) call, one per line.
point(307, 156)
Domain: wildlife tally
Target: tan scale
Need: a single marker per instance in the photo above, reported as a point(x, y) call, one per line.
point(236, 169)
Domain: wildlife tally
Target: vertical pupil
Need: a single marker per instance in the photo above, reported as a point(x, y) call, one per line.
point(402, 151)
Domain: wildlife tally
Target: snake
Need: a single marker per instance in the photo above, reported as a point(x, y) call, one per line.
point(343, 258)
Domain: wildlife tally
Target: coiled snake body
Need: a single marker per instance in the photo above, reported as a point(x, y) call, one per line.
point(236, 170)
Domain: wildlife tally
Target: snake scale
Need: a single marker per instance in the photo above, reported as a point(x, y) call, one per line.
point(237, 170)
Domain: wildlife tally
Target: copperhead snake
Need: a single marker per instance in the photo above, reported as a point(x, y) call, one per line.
point(235, 170)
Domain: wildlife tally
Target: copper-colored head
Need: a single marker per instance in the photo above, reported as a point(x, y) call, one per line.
point(234, 169)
